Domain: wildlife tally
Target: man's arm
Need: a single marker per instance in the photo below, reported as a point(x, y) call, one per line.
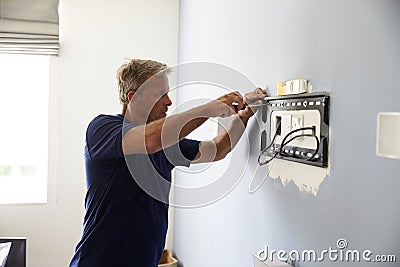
point(226, 140)
point(165, 132)
point(217, 148)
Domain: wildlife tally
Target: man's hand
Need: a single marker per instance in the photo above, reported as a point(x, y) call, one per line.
point(253, 100)
point(227, 105)
point(255, 97)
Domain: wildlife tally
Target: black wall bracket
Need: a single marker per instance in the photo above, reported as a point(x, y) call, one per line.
point(317, 101)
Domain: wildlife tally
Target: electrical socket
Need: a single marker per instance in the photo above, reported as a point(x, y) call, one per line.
point(297, 123)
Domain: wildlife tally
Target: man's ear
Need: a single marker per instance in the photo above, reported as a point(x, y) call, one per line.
point(131, 96)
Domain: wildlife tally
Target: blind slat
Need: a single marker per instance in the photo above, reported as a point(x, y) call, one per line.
point(27, 36)
point(29, 51)
point(28, 41)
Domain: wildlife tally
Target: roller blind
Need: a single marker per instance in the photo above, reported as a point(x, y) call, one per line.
point(29, 27)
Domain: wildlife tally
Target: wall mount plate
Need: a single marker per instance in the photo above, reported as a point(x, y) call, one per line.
point(293, 112)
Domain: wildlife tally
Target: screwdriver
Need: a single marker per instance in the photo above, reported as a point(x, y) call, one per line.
point(236, 104)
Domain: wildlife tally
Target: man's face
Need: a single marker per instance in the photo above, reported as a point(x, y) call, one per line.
point(153, 99)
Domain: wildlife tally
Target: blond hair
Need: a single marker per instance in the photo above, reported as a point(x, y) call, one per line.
point(134, 72)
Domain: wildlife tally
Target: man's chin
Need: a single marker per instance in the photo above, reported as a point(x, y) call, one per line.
point(154, 118)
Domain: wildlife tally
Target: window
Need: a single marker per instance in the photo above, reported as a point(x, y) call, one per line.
point(24, 105)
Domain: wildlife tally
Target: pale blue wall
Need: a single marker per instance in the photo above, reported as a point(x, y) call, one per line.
point(348, 47)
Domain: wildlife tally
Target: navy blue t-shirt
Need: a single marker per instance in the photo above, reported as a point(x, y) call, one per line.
point(125, 222)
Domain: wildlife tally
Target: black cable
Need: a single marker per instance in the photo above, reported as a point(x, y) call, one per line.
point(267, 147)
point(267, 161)
point(302, 135)
point(284, 143)
point(297, 130)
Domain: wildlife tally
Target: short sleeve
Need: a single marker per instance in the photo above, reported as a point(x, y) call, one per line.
point(104, 138)
point(182, 153)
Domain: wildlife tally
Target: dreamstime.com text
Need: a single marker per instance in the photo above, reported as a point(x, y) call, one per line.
point(341, 253)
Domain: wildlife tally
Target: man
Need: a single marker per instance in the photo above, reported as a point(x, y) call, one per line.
point(129, 158)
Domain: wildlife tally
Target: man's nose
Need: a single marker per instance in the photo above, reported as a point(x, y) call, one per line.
point(167, 100)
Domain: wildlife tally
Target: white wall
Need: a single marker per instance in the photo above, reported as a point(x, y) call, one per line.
point(96, 37)
point(348, 47)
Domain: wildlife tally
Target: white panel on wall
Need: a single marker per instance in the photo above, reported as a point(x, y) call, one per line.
point(388, 135)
